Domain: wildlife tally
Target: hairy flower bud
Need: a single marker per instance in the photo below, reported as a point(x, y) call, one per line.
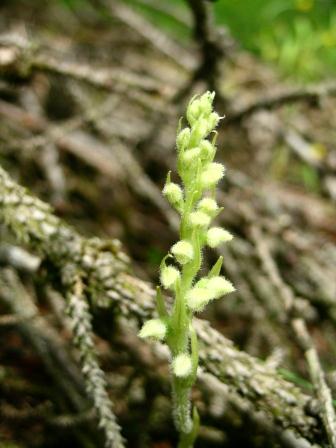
point(191, 156)
point(173, 193)
point(213, 121)
point(199, 219)
point(200, 130)
point(198, 297)
point(212, 174)
point(216, 236)
point(169, 276)
point(208, 206)
point(182, 365)
point(183, 138)
point(219, 286)
point(205, 103)
point(193, 111)
point(183, 251)
point(153, 328)
point(208, 150)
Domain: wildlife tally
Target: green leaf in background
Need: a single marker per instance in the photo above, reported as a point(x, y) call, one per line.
point(297, 36)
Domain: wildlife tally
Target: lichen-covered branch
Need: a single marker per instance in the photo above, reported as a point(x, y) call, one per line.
point(33, 223)
point(106, 274)
point(78, 310)
point(301, 334)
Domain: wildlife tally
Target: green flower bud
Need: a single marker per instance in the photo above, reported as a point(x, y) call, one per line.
point(198, 298)
point(183, 251)
point(212, 174)
point(169, 276)
point(153, 328)
point(199, 219)
point(183, 139)
point(205, 103)
point(213, 121)
point(208, 206)
point(208, 150)
point(182, 365)
point(173, 193)
point(216, 236)
point(193, 111)
point(219, 286)
point(199, 131)
point(191, 156)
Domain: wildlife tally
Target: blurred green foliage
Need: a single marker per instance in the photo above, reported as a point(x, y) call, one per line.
point(296, 36)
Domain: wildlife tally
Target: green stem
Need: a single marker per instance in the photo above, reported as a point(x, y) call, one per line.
point(181, 406)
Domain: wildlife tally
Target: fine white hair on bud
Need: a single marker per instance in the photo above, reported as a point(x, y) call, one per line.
point(183, 251)
point(198, 297)
point(208, 150)
point(173, 193)
point(208, 206)
point(191, 156)
point(205, 103)
point(219, 286)
point(200, 130)
point(199, 219)
point(213, 121)
point(182, 365)
point(153, 328)
point(193, 111)
point(216, 236)
point(212, 174)
point(182, 139)
point(169, 276)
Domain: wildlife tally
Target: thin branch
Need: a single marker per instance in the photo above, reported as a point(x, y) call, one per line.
point(43, 338)
point(302, 335)
point(150, 33)
point(312, 94)
point(78, 310)
point(9, 320)
point(26, 59)
point(318, 377)
point(22, 58)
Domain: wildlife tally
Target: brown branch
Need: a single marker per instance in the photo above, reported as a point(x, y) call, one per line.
point(318, 378)
point(153, 35)
point(312, 94)
point(207, 37)
point(19, 58)
point(145, 91)
point(44, 339)
point(301, 334)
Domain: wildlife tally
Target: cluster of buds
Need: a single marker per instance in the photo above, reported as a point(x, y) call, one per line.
point(195, 202)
